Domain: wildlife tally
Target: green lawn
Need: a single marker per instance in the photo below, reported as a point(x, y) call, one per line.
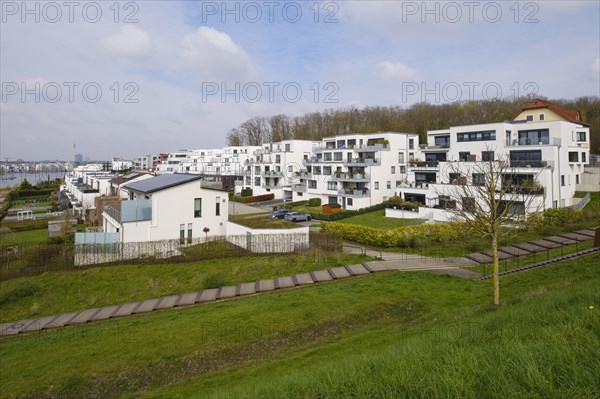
point(377, 219)
point(23, 237)
point(384, 335)
point(266, 223)
point(56, 292)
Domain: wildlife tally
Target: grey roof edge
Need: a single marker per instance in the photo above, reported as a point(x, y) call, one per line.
point(166, 186)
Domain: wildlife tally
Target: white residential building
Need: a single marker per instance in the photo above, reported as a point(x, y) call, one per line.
point(166, 207)
point(551, 153)
point(274, 167)
point(356, 170)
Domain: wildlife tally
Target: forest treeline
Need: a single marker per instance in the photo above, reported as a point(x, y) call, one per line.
point(418, 118)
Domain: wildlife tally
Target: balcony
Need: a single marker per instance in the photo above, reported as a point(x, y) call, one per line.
point(356, 177)
point(372, 147)
point(130, 211)
point(271, 173)
point(303, 175)
point(434, 147)
point(362, 162)
point(427, 165)
point(529, 164)
point(354, 192)
point(312, 161)
point(299, 188)
point(271, 185)
point(531, 142)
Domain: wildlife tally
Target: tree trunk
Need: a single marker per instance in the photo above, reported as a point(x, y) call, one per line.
point(495, 269)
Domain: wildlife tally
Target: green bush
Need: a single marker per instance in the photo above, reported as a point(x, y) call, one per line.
point(216, 280)
point(344, 213)
point(403, 237)
point(246, 192)
point(554, 217)
point(256, 198)
point(314, 202)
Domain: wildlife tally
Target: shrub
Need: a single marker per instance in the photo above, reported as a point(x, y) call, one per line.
point(246, 192)
point(405, 237)
point(314, 202)
point(215, 281)
point(256, 198)
point(554, 217)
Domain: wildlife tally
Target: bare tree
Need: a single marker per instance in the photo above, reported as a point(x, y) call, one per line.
point(491, 196)
point(235, 137)
point(256, 131)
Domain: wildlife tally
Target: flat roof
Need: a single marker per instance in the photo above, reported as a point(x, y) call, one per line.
point(162, 182)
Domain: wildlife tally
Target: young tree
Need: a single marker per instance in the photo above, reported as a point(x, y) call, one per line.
point(491, 196)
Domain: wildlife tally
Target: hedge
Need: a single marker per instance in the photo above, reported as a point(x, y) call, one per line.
point(314, 202)
point(345, 213)
point(256, 198)
point(554, 217)
point(405, 237)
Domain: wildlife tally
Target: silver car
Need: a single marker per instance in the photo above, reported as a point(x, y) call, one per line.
point(297, 217)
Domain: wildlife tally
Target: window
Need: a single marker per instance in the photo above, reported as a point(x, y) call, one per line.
point(468, 204)
point(393, 170)
point(487, 155)
point(529, 118)
point(442, 141)
point(402, 169)
point(463, 156)
point(290, 168)
point(583, 158)
point(197, 207)
point(257, 181)
point(189, 235)
point(338, 156)
point(400, 157)
point(327, 170)
point(562, 180)
point(182, 233)
point(331, 185)
point(277, 158)
point(376, 185)
point(389, 185)
point(541, 117)
point(573, 157)
point(534, 137)
point(576, 179)
point(526, 155)
point(287, 148)
point(398, 183)
point(327, 156)
point(581, 136)
point(349, 202)
point(312, 184)
point(218, 207)
point(478, 179)
point(411, 144)
point(477, 136)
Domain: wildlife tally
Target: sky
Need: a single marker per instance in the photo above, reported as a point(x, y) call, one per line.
point(128, 78)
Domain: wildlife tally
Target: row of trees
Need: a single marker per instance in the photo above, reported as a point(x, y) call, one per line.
point(418, 118)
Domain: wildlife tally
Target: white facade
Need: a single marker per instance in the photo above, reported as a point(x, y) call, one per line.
point(176, 211)
point(551, 153)
point(355, 170)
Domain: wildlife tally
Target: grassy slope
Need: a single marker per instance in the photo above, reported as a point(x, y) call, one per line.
point(57, 292)
point(22, 237)
point(378, 219)
point(387, 335)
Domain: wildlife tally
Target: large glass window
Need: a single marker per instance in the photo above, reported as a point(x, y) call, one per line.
point(534, 137)
point(526, 155)
point(442, 141)
point(581, 136)
point(477, 136)
point(197, 207)
point(487, 155)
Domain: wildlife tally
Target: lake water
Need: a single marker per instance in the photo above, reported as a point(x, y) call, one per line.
point(32, 178)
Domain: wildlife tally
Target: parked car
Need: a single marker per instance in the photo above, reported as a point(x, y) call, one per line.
point(280, 213)
point(297, 217)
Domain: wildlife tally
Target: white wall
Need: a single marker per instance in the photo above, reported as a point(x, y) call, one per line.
point(268, 240)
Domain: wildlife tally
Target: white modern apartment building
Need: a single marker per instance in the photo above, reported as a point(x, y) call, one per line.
point(274, 167)
point(356, 170)
point(549, 155)
point(166, 207)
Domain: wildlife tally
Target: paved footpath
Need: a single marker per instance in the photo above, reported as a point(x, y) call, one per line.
point(390, 261)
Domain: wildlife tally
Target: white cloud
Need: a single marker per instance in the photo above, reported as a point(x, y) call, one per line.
point(596, 68)
point(390, 70)
point(129, 41)
point(212, 54)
